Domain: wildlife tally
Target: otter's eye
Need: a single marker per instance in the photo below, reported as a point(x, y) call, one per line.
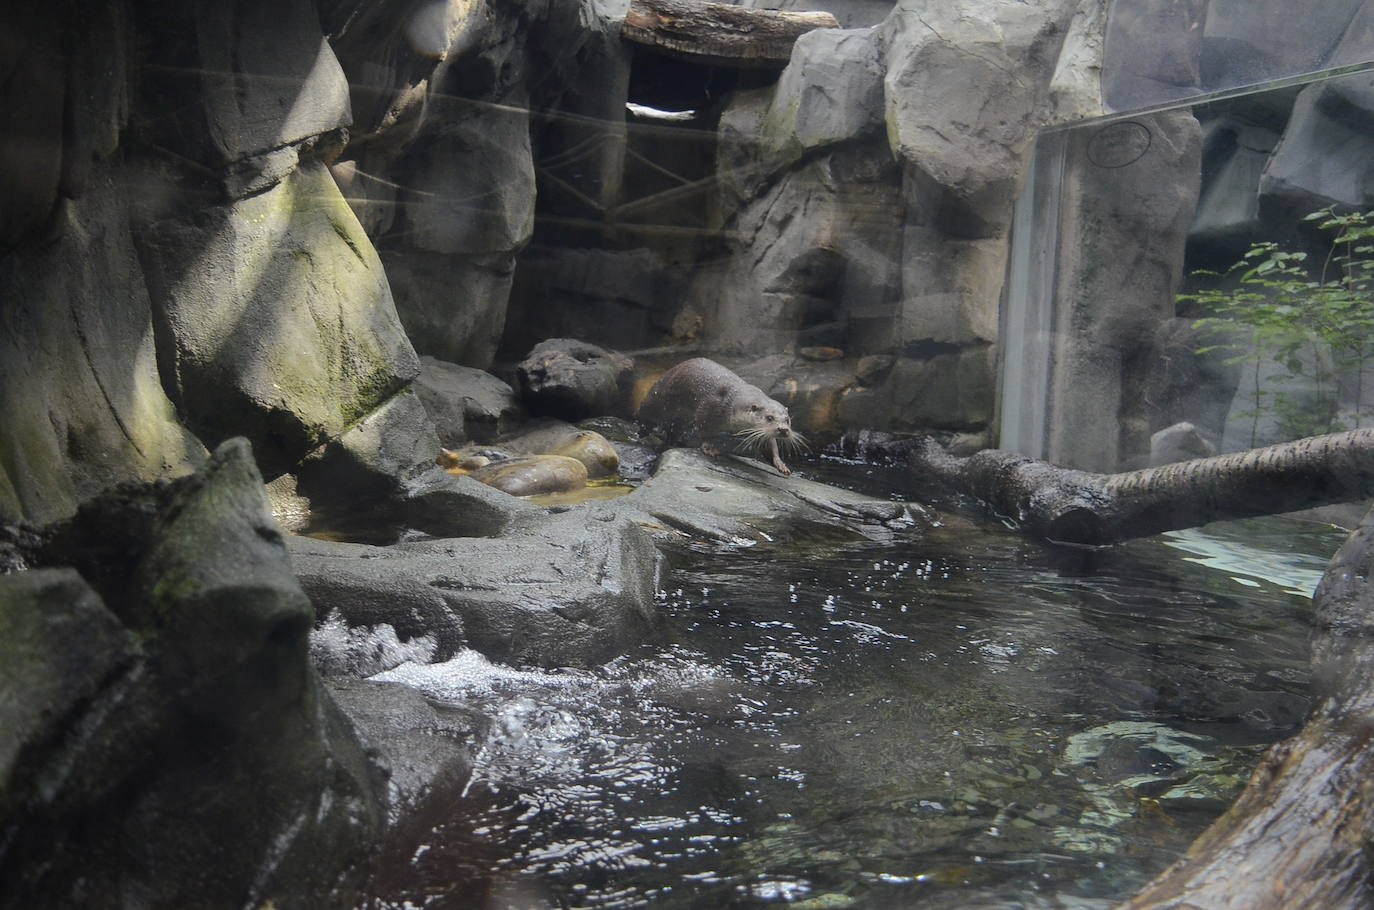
point(770, 418)
point(754, 409)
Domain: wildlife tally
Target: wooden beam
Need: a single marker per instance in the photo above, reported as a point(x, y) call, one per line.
point(720, 34)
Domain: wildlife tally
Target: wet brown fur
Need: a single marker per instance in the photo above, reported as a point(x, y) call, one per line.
point(700, 402)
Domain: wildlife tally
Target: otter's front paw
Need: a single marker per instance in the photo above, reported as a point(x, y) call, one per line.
point(710, 449)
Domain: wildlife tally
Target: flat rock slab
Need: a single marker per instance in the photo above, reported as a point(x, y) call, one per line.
point(738, 500)
point(576, 589)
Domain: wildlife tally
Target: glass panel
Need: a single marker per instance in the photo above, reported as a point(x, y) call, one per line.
point(1129, 314)
point(1159, 51)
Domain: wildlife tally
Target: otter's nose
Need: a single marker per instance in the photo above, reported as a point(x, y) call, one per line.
point(784, 431)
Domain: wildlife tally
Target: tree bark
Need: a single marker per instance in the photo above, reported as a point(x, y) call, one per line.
point(1096, 509)
point(719, 33)
point(1301, 835)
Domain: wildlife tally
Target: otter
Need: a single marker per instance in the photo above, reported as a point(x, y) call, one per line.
point(700, 402)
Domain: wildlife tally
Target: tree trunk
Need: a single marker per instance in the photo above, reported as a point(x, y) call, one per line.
point(1084, 508)
point(718, 33)
point(1301, 835)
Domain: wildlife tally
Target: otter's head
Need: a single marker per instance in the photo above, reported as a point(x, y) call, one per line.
point(758, 420)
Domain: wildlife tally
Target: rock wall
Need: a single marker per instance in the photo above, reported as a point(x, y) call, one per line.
point(177, 265)
point(869, 195)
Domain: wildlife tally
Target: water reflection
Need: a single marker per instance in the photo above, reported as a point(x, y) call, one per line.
point(965, 720)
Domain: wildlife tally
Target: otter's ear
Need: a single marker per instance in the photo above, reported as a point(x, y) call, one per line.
point(723, 393)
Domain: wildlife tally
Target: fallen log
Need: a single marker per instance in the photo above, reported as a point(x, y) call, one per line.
point(1301, 834)
point(1080, 507)
point(718, 33)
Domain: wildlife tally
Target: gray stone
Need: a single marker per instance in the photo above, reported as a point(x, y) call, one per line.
point(454, 307)
point(218, 743)
point(59, 647)
point(1152, 53)
point(1180, 442)
point(248, 78)
point(81, 398)
point(340, 578)
point(1324, 157)
point(466, 405)
point(831, 91)
point(822, 260)
point(573, 589)
point(965, 156)
point(274, 318)
point(486, 206)
point(950, 388)
point(736, 500)
point(372, 459)
point(1228, 212)
point(426, 746)
point(567, 378)
point(443, 505)
point(1245, 43)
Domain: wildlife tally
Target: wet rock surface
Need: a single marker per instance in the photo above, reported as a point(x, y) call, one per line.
point(738, 500)
point(569, 589)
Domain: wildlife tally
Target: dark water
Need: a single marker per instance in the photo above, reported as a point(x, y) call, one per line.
point(963, 719)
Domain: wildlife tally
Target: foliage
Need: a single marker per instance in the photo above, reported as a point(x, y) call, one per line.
point(1316, 324)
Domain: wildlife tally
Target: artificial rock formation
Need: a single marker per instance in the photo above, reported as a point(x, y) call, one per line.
point(224, 287)
point(167, 733)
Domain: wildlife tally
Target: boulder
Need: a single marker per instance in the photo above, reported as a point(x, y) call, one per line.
point(273, 318)
point(936, 386)
point(1324, 156)
point(339, 579)
point(443, 505)
point(823, 260)
point(567, 378)
point(1180, 442)
point(59, 647)
point(830, 92)
point(571, 589)
point(466, 405)
point(373, 459)
point(185, 767)
point(426, 744)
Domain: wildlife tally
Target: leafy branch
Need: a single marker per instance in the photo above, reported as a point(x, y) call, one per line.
point(1316, 324)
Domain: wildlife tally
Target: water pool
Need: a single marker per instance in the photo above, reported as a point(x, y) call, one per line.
point(964, 718)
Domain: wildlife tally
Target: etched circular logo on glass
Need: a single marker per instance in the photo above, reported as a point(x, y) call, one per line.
point(1119, 144)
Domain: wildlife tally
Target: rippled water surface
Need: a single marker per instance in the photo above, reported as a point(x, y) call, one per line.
point(962, 719)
